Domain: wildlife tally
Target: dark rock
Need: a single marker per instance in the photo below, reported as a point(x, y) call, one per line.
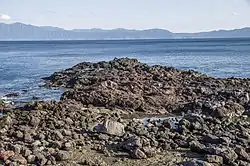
point(211, 139)
point(12, 95)
point(195, 163)
point(138, 154)
point(195, 146)
point(131, 143)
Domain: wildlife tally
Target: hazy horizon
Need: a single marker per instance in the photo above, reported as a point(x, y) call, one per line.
point(175, 16)
point(119, 28)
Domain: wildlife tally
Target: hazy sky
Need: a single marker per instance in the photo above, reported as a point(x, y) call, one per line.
point(174, 15)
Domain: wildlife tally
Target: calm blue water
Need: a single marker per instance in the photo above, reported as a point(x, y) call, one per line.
point(22, 64)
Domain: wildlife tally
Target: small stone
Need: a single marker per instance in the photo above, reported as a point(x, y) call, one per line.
point(214, 159)
point(19, 135)
point(211, 139)
point(67, 146)
point(69, 121)
point(27, 152)
point(195, 146)
point(104, 137)
point(242, 154)
point(51, 150)
point(31, 158)
point(75, 136)
point(56, 144)
point(6, 155)
point(67, 132)
point(41, 159)
point(27, 138)
point(17, 148)
point(138, 154)
point(196, 163)
point(62, 156)
point(149, 151)
point(36, 143)
point(41, 136)
point(34, 121)
point(19, 159)
point(58, 135)
point(228, 155)
point(243, 163)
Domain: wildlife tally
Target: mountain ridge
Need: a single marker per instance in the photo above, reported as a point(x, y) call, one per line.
point(20, 31)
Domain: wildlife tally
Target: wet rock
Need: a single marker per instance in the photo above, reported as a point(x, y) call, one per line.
point(12, 95)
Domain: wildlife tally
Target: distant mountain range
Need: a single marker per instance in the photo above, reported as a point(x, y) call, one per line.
point(20, 31)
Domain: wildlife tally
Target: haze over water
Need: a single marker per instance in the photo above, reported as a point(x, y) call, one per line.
point(22, 64)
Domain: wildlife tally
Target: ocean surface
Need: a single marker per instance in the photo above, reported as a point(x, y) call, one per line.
point(24, 63)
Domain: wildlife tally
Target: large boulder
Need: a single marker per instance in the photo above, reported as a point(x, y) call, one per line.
point(111, 128)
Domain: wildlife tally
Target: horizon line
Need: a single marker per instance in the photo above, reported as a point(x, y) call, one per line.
point(130, 29)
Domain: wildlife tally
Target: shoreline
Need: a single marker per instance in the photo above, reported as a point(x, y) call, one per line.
point(88, 125)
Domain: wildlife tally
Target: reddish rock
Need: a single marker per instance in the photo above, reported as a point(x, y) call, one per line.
point(5, 155)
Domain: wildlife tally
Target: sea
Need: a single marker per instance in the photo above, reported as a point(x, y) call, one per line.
point(24, 63)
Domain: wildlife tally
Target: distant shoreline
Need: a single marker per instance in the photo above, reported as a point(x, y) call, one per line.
point(147, 39)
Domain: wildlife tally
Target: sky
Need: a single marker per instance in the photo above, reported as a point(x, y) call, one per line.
point(173, 15)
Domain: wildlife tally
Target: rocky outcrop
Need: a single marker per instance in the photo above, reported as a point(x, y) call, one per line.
point(128, 84)
point(98, 110)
